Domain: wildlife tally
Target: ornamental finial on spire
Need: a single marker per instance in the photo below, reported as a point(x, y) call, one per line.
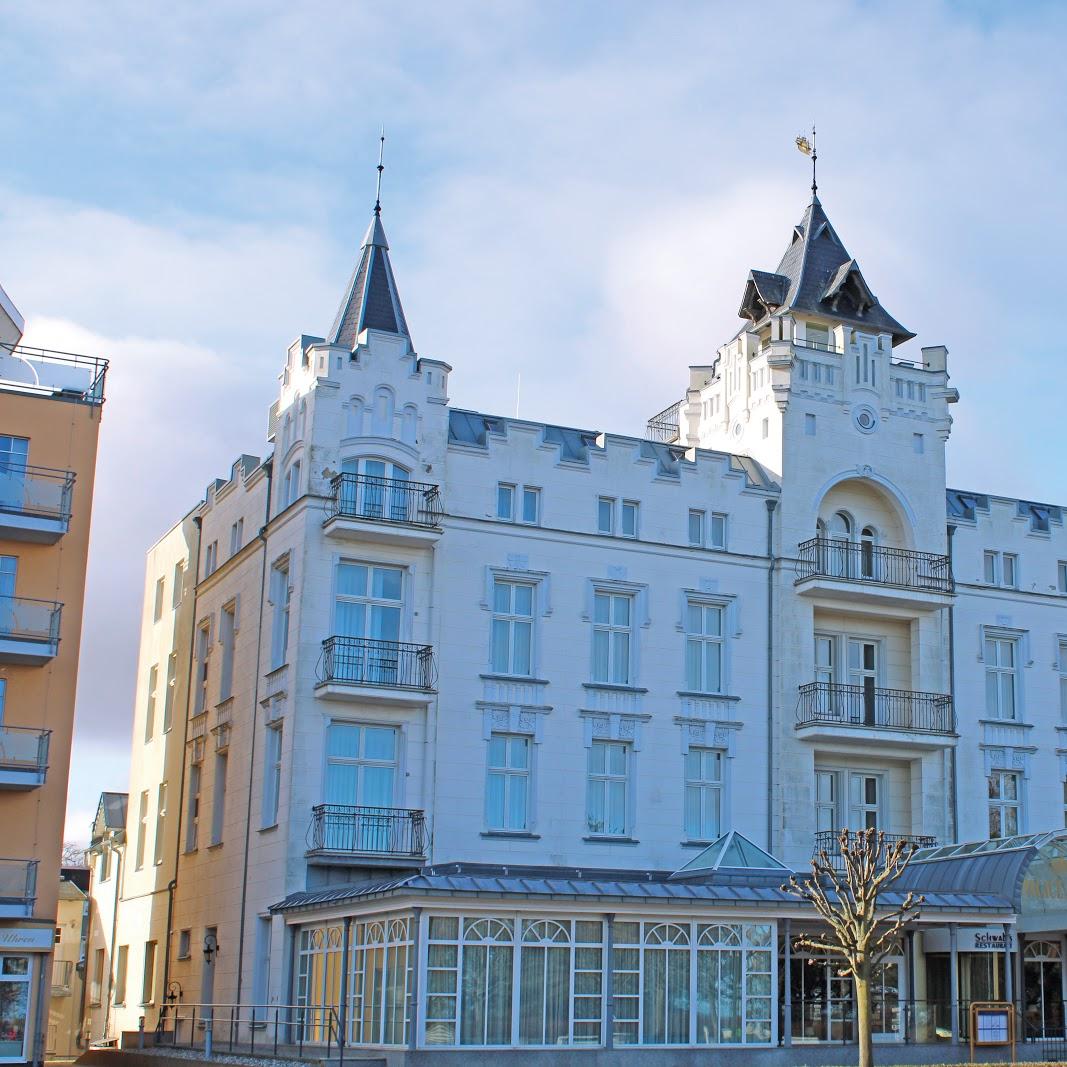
point(381, 167)
point(808, 148)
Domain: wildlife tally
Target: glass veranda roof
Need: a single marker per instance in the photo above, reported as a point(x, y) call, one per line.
point(733, 852)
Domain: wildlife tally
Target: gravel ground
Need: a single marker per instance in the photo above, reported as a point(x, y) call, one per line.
point(223, 1057)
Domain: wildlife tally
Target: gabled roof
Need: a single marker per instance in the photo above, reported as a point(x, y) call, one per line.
point(817, 275)
point(371, 300)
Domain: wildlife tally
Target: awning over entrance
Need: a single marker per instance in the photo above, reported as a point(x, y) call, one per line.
point(1030, 871)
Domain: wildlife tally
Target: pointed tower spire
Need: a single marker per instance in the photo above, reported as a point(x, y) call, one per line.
point(371, 300)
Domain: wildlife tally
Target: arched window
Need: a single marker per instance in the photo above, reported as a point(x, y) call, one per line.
point(354, 422)
point(666, 985)
point(1043, 982)
point(868, 540)
point(382, 414)
point(545, 983)
point(840, 530)
point(485, 1009)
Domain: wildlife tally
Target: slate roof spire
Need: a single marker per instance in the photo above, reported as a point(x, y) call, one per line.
point(817, 276)
point(371, 299)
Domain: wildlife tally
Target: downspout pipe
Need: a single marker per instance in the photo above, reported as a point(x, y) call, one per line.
point(252, 744)
point(772, 562)
point(173, 886)
point(952, 784)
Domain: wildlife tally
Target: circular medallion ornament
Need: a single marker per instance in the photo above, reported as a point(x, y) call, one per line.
point(865, 418)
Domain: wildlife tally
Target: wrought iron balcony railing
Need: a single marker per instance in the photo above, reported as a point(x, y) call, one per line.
point(29, 620)
point(866, 705)
point(24, 748)
point(361, 496)
point(863, 561)
point(827, 841)
point(37, 491)
point(379, 831)
point(18, 883)
point(362, 661)
point(664, 426)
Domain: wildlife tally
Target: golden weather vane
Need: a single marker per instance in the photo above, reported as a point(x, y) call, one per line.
point(808, 148)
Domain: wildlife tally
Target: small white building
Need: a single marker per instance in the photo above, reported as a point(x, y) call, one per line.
point(502, 734)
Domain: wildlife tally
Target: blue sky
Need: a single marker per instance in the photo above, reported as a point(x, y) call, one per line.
point(573, 192)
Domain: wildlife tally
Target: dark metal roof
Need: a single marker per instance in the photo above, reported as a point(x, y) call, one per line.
point(817, 275)
point(371, 300)
point(569, 883)
point(1003, 867)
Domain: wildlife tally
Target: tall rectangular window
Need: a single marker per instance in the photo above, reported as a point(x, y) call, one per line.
point(148, 981)
point(1011, 570)
point(696, 527)
point(505, 502)
point(718, 530)
point(211, 559)
point(96, 989)
point(203, 651)
point(218, 798)
point(1001, 656)
point(121, 961)
point(1061, 662)
point(291, 485)
point(607, 788)
point(508, 782)
point(178, 581)
point(990, 568)
point(161, 824)
point(1061, 576)
point(629, 516)
point(703, 647)
point(531, 505)
point(512, 628)
point(703, 794)
point(605, 515)
point(279, 600)
point(168, 696)
point(612, 637)
point(9, 566)
point(272, 775)
point(227, 630)
point(142, 829)
point(237, 535)
point(150, 703)
point(192, 819)
point(1005, 805)
point(157, 606)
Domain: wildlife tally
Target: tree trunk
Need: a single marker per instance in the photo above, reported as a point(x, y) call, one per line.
point(863, 1016)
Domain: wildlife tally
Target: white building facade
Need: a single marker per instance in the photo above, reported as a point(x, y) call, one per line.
point(503, 735)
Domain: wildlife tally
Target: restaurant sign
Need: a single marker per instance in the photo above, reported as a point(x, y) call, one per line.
point(970, 939)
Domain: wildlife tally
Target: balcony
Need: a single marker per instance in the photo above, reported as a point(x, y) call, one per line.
point(664, 427)
point(378, 836)
point(388, 510)
point(29, 630)
point(59, 375)
point(18, 888)
point(23, 757)
point(876, 575)
point(834, 711)
point(353, 668)
point(34, 503)
point(826, 841)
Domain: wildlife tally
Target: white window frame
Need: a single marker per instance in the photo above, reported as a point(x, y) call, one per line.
point(997, 669)
point(1061, 575)
point(1061, 668)
point(157, 604)
point(705, 789)
point(529, 492)
point(280, 594)
point(611, 628)
point(202, 660)
point(505, 490)
point(602, 503)
point(192, 813)
point(1001, 805)
point(1000, 568)
point(161, 824)
point(227, 642)
point(631, 508)
point(704, 639)
point(699, 517)
point(719, 521)
point(272, 776)
point(511, 619)
point(142, 830)
point(169, 695)
point(218, 797)
point(603, 780)
point(509, 775)
point(150, 703)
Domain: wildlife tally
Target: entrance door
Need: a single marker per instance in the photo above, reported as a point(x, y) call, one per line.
point(828, 703)
point(863, 673)
point(1043, 986)
point(887, 985)
point(864, 801)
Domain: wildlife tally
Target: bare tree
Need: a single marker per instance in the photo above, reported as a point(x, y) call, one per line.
point(845, 896)
point(73, 854)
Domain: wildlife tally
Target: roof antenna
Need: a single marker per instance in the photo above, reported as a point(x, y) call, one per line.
point(381, 167)
point(808, 148)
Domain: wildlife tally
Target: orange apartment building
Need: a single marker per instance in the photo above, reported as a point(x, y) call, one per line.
point(50, 408)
